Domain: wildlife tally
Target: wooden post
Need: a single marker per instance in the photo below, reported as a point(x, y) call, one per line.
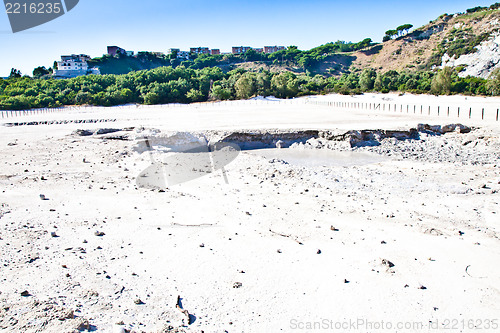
point(421, 109)
point(407, 108)
point(414, 109)
point(429, 110)
point(497, 114)
point(448, 111)
point(482, 115)
point(458, 112)
point(470, 113)
point(438, 111)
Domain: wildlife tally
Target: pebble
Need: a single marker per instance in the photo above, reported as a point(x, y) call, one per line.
point(99, 233)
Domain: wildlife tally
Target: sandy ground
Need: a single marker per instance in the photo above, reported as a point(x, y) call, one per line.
point(401, 236)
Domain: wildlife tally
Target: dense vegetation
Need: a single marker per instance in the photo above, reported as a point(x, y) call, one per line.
point(122, 64)
point(185, 85)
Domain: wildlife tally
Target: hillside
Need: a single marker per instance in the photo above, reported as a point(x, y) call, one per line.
point(449, 36)
point(465, 40)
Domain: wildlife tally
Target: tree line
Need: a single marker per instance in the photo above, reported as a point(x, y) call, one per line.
point(185, 85)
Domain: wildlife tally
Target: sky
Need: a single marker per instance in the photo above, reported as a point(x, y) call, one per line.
point(156, 25)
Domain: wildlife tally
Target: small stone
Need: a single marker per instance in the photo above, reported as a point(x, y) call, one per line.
point(346, 281)
point(461, 233)
point(279, 251)
point(422, 287)
point(53, 234)
point(237, 285)
point(25, 293)
point(319, 251)
point(386, 262)
point(68, 314)
point(99, 233)
point(332, 228)
point(202, 245)
point(138, 301)
point(83, 326)
point(383, 242)
point(248, 213)
point(42, 197)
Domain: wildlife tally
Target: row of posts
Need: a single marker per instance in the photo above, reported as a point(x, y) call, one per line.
point(352, 105)
point(395, 108)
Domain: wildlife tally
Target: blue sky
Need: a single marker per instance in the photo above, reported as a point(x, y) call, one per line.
point(156, 25)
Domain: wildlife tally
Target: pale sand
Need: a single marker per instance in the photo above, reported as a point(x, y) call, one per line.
point(431, 220)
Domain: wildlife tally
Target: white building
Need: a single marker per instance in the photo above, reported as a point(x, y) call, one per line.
point(74, 65)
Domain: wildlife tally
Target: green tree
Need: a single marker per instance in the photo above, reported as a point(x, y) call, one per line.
point(441, 83)
point(194, 95)
point(493, 83)
point(220, 93)
point(40, 71)
point(284, 85)
point(244, 87)
point(391, 33)
point(263, 83)
point(404, 28)
point(14, 73)
point(367, 79)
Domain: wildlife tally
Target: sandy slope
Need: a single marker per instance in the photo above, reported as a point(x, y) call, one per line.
point(281, 246)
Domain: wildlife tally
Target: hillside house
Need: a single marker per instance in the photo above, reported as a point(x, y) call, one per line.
point(240, 49)
point(272, 49)
point(74, 65)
